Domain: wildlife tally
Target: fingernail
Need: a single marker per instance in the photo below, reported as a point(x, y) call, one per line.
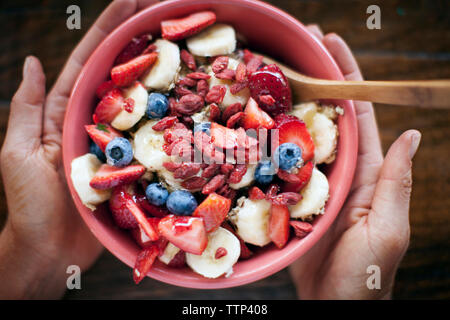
point(415, 141)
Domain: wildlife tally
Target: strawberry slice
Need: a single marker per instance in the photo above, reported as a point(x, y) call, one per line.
point(279, 224)
point(108, 108)
point(109, 176)
point(148, 226)
point(151, 209)
point(227, 138)
point(302, 178)
point(125, 74)
point(270, 80)
point(144, 262)
point(245, 251)
point(187, 233)
point(141, 237)
point(135, 47)
point(121, 215)
point(177, 29)
point(255, 117)
point(102, 134)
point(292, 129)
point(104, 88)
point(213, 210)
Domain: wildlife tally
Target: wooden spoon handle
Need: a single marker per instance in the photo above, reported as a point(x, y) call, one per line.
point(429, 93)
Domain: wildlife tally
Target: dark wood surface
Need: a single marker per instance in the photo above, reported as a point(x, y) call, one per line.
point(413, 43)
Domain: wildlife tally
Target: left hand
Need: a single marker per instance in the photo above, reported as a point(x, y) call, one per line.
point(44, 233)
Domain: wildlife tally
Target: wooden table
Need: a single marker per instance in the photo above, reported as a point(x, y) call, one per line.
point(413, 43)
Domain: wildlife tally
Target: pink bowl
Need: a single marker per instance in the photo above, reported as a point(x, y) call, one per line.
point(268, 30)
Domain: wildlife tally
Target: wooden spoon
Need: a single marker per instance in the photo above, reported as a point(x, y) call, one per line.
point(423, 93)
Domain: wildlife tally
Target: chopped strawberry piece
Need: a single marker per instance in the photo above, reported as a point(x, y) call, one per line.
point(270, 80)
point(151, 209)
point(227, 138)
point(109, 176)
point(102, 134)
point(256, 193)
point(213, 210)
point(140, 236)
point(134, 48)
point(104, 88)
point(279, 225)
point(178, 29)
point(125, 74)
point(187, 233)
point(301, 229)
point(144, 262)
point(179, 260)
point(245, 251)
point(117, 204)
point(110, 105)
point(303, 175)
point(255, 117)
point(147, 226)
point(291, 129)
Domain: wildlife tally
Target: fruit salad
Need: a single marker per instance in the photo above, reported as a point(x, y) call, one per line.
point(198, 152)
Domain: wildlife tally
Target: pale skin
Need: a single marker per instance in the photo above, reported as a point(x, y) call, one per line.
point(44, 233)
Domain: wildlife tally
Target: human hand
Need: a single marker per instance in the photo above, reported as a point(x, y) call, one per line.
point(373, 226)
point(44, 234)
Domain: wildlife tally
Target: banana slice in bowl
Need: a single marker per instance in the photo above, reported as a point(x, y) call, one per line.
point(251, 219)
point(210, 263)
point(315, 195)
point(164, 72)
point(125, 120)
point(148, 147)
point(219, 39)
point(82, 172)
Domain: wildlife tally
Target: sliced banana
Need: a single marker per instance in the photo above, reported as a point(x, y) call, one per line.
point(169, 180)
point(125, 120)
point(229, 98)
point(251, 218)
point(315, 195)
point(324, 132)
point(247, 179)
point(148, 147)
point(169, 253)
point(206, 264)
point(83, 169)
point(219, 39)
point(164, 72)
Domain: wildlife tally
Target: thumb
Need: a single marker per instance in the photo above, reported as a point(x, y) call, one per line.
point(25, 118)
point(390, 204)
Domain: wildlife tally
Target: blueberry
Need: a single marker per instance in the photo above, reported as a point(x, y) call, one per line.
point(156, 194)
point(157, 105)
point(181, 202)
point(287, 155)
point(204, 126)
point(264, 172)
point(95, 149)
point(119, 152)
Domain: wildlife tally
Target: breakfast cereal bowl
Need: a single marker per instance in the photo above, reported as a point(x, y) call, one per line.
point(267, 30)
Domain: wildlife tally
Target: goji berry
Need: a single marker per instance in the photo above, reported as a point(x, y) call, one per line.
point(231, 110)
point(165, 123)
point(219, 64)
point(216, 94)
point(235, 119)
point(236, 175)
point(188, 59)
point(214, 184)
point(198, 76)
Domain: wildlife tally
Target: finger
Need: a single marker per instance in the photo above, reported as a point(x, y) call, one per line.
point(390, 205)
point(315, 30)
point(114, 14)
point(369, 147)
point(25, 119)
